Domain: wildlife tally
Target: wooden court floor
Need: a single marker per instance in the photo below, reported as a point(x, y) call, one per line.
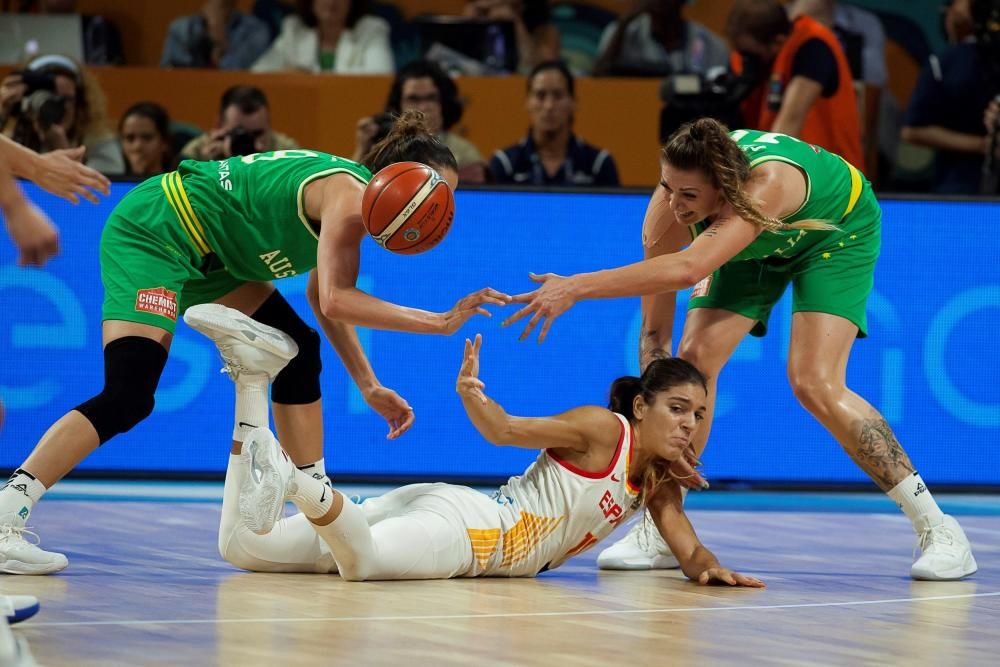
point(145, 586)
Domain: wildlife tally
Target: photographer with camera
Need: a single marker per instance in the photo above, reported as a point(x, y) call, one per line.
point(952, 99)
point(244, 128)
point(53, 104)
point(808, 91)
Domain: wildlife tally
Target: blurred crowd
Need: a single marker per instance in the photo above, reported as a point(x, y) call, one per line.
point(813, 69)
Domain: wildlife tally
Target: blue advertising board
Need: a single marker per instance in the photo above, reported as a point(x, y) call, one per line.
point(929, 364)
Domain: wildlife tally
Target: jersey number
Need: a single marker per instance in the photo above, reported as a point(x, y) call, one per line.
point(277, 155)
point(767, 138)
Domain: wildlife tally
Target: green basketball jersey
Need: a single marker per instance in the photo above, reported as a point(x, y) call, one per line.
point(249, 211)
point(832, 190)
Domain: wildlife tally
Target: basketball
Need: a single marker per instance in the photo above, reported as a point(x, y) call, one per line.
point(408, 208)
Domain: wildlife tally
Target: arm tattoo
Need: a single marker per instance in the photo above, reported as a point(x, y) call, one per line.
point(879, 453)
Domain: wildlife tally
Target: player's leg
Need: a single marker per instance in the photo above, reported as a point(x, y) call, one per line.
point(254, 355)
point(295, 390)
point(817, 369)
point(413, 543)
point(291, 546)
point(724, 308)
point(145, 262)
point(134, 357)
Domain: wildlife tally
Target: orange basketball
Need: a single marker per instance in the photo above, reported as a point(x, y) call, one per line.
point(408, 208)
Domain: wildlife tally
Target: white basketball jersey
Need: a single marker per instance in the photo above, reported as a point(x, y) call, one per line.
point(553, 512)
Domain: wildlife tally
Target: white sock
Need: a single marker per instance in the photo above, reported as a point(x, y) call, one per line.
point(916, 501)
point(19, 495)
point(251, 405)
point(312, 496)
point(317, 469)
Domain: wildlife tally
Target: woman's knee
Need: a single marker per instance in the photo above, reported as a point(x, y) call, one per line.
point(701, 354)
point(816, 389)
point(235, 553)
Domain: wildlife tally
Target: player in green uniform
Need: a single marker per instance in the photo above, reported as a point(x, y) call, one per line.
point(220, 232)
point(757, 211)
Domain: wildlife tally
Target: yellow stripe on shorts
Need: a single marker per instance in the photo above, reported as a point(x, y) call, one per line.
point(856, 184)
point(168, 185)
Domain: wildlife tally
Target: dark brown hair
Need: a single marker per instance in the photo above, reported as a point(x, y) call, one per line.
point(409, 141)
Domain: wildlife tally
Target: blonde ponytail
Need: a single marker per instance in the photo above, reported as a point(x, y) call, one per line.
point(705, 145)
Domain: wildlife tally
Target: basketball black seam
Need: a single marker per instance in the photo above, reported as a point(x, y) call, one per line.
point(440, 222)
point(384, 187)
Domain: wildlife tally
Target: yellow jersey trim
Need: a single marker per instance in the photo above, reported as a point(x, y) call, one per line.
point(300, 194)
point(857, 183)
point(167, 184)
point(192, 216)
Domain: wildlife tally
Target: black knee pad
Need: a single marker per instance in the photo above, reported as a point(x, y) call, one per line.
point(298, 382)
point(132, 369)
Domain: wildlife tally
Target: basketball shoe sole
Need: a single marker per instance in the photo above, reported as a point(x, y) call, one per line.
point(246, 345)
point(262, 495)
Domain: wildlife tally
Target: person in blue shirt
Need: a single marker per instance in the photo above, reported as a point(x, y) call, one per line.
point(219, 36)
point(551, 155)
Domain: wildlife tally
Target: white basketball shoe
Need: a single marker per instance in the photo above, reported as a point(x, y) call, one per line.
point(248, 347)
point(946, 554)
point(14, 650)
point(642, 548)
point(262, 495)
point(17, 608)
point(19, 556)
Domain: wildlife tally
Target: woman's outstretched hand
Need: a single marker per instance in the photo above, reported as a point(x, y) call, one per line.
point(545, 304)
point(468, 383)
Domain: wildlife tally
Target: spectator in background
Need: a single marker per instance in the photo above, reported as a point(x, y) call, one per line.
point(144, 133)
point(423, 86)
point(809, 92)
point(102, 43)
point(244, 128)
point(272, 13)
point(551, 154)
point(63, 107)
point(847, 22)
point(656, 40)
point(537, 38)
point(947, 106)
point(219, 36)
point(337, 36)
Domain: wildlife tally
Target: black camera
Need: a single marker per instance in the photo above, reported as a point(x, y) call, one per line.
point(243, 141)
point(41, 102)
point(715, 94)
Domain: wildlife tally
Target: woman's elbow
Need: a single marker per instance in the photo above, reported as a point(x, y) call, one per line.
point(690, 273)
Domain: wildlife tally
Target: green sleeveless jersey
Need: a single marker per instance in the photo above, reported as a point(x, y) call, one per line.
point(832, 190)
point(249, 211)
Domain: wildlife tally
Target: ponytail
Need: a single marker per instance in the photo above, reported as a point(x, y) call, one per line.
point(623, 392)
point(409, 141)
point(705, 145)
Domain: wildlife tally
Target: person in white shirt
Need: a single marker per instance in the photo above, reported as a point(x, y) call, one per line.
point(596, 468)
point(335, 36)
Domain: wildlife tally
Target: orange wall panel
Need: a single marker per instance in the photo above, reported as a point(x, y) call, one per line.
point(320, 112)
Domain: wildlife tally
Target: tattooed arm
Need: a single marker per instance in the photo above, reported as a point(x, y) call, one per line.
point(661, 235)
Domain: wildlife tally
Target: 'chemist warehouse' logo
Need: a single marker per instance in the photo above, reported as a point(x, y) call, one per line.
point(159, 301)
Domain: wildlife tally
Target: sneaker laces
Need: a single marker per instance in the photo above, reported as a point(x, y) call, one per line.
point(934, 535)
point(18, 533)
point(646, 532)
point(230, 365)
